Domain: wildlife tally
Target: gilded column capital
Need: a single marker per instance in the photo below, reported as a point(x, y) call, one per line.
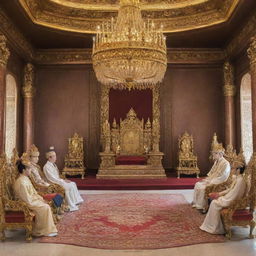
point(4, 51)
point(29, 75)
point(228, 70)
point(229, 90)
point(251, 51)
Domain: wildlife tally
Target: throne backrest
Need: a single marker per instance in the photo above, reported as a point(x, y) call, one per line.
point(131, 135)
point(75, 147)
point(9, 174)
point(186, 146)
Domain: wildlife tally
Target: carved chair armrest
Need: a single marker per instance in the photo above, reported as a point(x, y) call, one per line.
point(56, 188)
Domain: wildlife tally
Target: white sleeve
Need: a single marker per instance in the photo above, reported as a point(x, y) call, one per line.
point(223, 177)
point(49, 175)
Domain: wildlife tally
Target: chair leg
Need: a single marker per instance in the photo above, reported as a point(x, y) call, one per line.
point(2, 234)
point(29, 233)
point(228, 232)
point(252, 226)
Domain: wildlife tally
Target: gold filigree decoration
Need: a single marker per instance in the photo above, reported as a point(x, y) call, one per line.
point(4, 51)
point(252, 51)
point(186, 157)
point(74, 160)
point(228, 70)
point(29, 77)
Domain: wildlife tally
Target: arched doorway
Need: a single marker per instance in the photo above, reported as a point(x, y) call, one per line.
point(246, 116)
point(10, 115)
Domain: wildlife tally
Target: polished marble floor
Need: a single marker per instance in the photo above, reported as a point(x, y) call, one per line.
point(239, 245)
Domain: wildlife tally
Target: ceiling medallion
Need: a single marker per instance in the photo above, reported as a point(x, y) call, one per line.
point(129, 52)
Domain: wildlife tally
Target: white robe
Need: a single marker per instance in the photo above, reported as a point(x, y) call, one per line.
point(44, 224)
point(37, 177)
point(72, 195)
point(219, 173)
point(212, 222)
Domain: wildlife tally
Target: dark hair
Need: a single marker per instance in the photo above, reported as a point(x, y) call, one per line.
point(241, 169)
point(21, 167)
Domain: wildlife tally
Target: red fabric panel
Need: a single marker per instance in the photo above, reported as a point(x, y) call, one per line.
point(121, 101)
point(242, 215)
point(14, 217)
point(131, 160)
point(49, 197)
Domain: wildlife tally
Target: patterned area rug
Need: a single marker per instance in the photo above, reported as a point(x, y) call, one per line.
point(133, 221)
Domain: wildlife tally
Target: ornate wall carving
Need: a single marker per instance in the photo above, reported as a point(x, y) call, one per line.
point(28, 83)
point(4, 51)
point(229, 89)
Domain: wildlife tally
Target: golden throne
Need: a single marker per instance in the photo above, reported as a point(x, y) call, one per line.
point(131, 149)
point(74, 160)
point(186, 158)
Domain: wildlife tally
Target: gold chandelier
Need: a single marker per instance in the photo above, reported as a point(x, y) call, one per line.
point(128, 52)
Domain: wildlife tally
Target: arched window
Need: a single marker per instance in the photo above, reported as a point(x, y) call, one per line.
point(10, 115)
point(246, 115)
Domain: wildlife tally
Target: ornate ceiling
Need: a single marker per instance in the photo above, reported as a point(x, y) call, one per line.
point(83, 16)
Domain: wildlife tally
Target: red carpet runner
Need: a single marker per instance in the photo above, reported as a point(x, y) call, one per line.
point(91, 183)
point(133, 221)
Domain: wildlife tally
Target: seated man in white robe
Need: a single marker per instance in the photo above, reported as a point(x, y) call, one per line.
point(24, 190)
point(212, 222)
point(51, 172)
point(219, 173)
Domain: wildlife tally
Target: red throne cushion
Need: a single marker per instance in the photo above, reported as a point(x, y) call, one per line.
point(131, 160)
point(49, 197)
point(14, 217)
point(240, 215)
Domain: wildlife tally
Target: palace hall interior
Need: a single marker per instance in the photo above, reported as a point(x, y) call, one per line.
point(127, 127)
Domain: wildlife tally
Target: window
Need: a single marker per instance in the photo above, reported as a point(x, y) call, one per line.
point(246, 116)
point(10, 115)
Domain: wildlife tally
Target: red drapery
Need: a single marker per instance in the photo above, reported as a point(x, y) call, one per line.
point(121, 101)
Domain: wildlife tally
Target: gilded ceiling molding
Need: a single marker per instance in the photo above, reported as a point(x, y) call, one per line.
point(195, 56)
point(4, 51)
point(28, 89)
point(15, 37)
point(242, 39)
point(175, 56)
point(84, 16)
point(63, 56)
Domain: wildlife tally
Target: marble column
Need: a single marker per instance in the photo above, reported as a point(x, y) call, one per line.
point(229, 93)
point(28, 115)
point(4, 56)
point(252, 56)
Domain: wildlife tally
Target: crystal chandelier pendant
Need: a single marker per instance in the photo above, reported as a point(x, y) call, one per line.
point(129, 52)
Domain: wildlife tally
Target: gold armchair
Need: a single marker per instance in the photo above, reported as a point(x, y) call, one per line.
point(240, 212)
point(74, 160)
point(13, 213)
point(186, 157)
